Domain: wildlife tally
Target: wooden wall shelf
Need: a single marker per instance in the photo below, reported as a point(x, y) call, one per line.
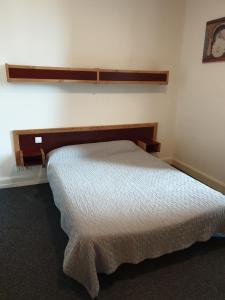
point(132, 76)
point(18, 73)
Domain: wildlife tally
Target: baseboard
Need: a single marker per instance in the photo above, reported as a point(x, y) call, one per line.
point(168, 160)
point(199, 175)
point(17, 181)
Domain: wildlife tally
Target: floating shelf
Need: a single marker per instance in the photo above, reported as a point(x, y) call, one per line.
point(132, 76)
point(18, 73)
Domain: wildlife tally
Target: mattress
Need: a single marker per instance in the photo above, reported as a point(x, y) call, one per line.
point(120, 204)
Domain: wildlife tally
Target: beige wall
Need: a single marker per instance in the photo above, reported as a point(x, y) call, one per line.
point(200, 117)
point(142, 34)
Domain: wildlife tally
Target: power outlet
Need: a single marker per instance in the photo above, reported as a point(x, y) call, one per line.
point(38, 139)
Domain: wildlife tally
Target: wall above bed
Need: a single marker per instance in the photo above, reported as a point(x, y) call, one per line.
point(129, 36)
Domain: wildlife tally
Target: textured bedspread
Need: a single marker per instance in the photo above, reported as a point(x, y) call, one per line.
point(119, 204)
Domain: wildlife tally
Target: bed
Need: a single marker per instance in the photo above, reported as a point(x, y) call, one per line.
point(120, 204)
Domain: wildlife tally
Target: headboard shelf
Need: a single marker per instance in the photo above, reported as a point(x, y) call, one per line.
point(32, 157)
point(28, 152)
point(149, 146)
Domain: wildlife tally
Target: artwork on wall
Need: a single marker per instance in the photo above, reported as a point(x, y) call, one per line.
point(214, 47)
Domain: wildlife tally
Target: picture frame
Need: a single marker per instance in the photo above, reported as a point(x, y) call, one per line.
point(214, 45)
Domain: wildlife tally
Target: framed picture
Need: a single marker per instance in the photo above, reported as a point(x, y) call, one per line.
point(214, 47)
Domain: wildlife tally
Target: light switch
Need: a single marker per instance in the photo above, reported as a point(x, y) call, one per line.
point(38, 139)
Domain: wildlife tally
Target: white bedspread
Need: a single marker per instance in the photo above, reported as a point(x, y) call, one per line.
point(120, 204)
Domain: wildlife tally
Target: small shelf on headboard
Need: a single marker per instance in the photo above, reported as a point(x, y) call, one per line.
point(149, 145)
point(32, 157)
point(18, 73)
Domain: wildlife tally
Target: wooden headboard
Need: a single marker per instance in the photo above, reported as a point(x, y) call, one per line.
point(31, 146)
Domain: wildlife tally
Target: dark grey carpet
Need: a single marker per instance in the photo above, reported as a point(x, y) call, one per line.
point(31, 255)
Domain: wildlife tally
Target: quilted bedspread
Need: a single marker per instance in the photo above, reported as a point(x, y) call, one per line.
point(120, 204)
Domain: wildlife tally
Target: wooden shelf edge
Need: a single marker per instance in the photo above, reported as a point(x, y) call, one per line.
point(20, 80)
point(49, 68)
point(82, 128)
point(132, 82)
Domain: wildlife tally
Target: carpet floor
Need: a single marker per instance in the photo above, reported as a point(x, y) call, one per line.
point(32, 244)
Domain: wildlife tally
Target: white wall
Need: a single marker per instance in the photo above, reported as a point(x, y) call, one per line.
point(130, 34)
point(200, 118)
